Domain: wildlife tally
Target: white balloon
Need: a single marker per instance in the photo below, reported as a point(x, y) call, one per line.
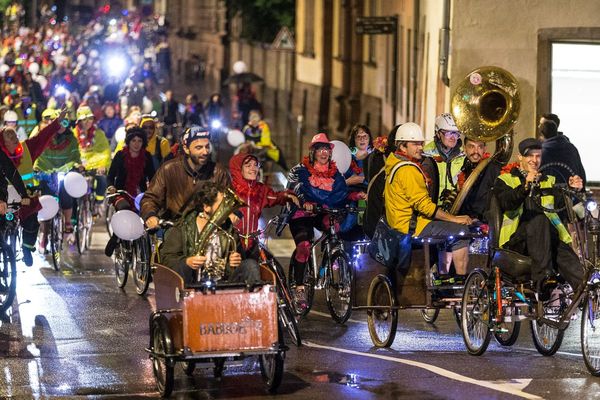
point(147, 105)
point(127, 225)
point(49, 207)
point(75, 184)
point(34, 68)
point(4, 69)
point(239, 67)
point(235, 138)
point(81, 59)
point(341, 155)
point(13, 195)
point(120, 134)
point(42, 81)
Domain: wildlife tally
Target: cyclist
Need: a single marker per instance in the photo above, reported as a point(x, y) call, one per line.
point(408, 206)
point(258, 133)
point(23, 155)
point(8, 171)
point(179, 251)
point(61, 155)
point(131, 170)
point(316, 181)
point(171, 190)
point(244, 174)
point(530, 231)
point(94, 150)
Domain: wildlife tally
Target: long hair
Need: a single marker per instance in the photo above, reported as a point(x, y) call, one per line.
point(354, 132)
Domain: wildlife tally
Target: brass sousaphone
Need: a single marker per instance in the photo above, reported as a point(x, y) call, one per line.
point(485, 106)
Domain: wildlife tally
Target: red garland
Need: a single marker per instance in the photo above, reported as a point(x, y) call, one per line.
point(331, 171)
point(402, 154)
point(15, 158)
point(509, 167)
point(86, 139)
point(355, 168)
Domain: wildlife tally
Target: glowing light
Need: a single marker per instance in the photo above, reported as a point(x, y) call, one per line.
point(591, 206)
point(60, 90)
point(112, 22)
point(216, 124)
point(116, 65)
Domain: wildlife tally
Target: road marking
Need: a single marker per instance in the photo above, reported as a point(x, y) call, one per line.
point(500, 387)
point(322, 314)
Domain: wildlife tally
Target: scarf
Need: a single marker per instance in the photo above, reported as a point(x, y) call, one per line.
point(509, 167)
point(321, 176)
point(86, 139)
point(134, 166)
point(406, 157)
point(16, 157)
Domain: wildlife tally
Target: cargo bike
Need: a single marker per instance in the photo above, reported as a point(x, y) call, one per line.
point(391, 290)
point(208, 324)
point(497, 301)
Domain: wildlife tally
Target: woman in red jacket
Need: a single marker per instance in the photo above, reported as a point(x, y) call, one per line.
point(244, 173)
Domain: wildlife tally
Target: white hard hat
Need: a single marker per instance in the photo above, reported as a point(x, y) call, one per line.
point(409, 132)
point(10, 116)
point(446, 122)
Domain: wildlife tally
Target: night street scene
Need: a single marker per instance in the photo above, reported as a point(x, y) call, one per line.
point(310, 199)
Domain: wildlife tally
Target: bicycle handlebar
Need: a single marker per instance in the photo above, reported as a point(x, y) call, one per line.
point(336, 211)
point(162, 224)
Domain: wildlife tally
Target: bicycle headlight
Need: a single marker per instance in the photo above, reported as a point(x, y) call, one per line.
point(591, 206)
point(9, 216)
point(216, 124)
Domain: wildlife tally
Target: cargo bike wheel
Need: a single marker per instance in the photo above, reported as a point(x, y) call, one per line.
point(475, 313)
point(271, 365)
point(590, 331)
point(382, 318)
point(162, 345)
point(430, 315)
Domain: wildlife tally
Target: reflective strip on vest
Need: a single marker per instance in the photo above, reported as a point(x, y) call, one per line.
point(26, 166)
point(510, 219)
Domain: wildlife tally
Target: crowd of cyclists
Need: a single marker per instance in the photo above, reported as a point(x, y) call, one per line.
point(89, 100)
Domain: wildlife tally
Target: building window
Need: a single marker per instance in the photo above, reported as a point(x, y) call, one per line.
point(309, 28)
point(575, 84)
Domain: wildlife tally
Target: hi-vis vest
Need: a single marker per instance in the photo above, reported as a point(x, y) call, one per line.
point(510, 219)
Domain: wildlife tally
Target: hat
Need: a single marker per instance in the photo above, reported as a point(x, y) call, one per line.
point(147, 118)
point(10, 116)
point(84, 112)
point(529, 144)
point(50, 113)
point(195, 132)
point(446, 122)
point(320, 138)
point(409, 132)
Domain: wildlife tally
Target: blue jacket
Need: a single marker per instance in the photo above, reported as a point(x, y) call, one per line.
point(336, 198)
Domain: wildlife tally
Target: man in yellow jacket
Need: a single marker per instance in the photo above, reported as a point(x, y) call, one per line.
point(527, 229)
point(406, 197)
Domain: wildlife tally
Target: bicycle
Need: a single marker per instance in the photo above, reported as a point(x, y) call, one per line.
point(286, 312)
point(334, 273)
point(49, 183)
point(8, 264)
point(84, 217)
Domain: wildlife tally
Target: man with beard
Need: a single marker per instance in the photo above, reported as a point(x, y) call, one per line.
point(174, 184)
point(477, 200)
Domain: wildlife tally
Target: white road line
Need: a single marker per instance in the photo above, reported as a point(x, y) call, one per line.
point(500, 387)
point(322, 314)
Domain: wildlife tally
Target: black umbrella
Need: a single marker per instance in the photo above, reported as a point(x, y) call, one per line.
point(244, 77)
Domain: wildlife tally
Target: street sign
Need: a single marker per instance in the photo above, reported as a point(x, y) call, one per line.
point(376, 25)
point(284, 40)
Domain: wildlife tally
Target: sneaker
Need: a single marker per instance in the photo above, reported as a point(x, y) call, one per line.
point(544, 288)
point(27, 257)
point(300, 298)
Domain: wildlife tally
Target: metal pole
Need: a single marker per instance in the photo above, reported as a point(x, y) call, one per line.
point(395, 73)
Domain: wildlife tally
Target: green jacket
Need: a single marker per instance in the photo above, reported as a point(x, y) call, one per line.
point(60, 155)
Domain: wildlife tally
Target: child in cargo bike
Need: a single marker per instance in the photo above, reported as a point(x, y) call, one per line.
point(204, 238)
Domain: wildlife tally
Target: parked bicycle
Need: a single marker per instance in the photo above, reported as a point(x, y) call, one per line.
point(332, 271)
point(286, 311)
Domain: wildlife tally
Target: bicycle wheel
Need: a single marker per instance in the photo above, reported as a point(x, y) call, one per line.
point(162, 345)
point(110, 211)
point(140, 267)
point(338, 287)
point(590, 331)
point(8, 277)
point(508, 332)
point(285, 312)
point(383, 320)
point(271, 369)
point(430, 315)
point(56, 240)
point(121, 256)
point(547, 339)
point(475, 313)
point(88, 221)
point(80, 227)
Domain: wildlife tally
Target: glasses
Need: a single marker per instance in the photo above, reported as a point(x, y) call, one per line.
point(323, 150)
point(359, 137)
point(450, 134)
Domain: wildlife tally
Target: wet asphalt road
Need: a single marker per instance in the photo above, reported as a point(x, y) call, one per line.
point(74, 334)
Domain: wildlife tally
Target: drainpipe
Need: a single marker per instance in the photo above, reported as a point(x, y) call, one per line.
point(445, 43)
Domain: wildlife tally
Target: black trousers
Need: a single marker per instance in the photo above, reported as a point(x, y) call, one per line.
point(30, 231)
point(538, 239)
point(303, 230)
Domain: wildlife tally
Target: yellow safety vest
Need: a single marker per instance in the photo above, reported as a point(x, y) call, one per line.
point(25, 167)
point(510, 219)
